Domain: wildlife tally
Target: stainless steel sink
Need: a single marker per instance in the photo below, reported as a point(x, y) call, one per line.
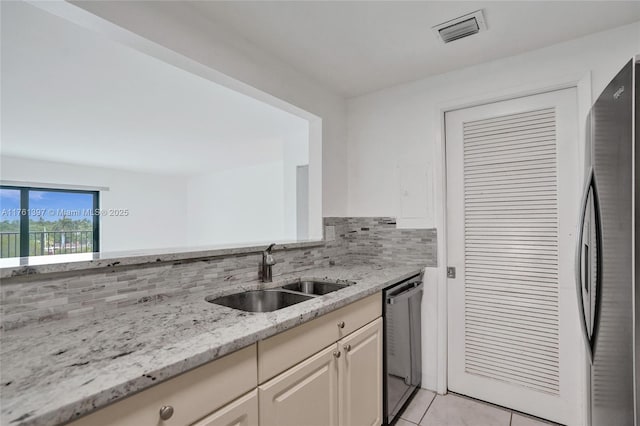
point(278, 298)
point(259, 300)
point(314, 287)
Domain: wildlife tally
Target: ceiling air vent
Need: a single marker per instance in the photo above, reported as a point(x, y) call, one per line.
point(461, 27)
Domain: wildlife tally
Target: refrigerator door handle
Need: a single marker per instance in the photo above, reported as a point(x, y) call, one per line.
point(590, 333)
point(578, 260)
point(599, 266)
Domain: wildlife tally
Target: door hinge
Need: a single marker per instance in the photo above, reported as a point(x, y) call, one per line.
point(451, 272)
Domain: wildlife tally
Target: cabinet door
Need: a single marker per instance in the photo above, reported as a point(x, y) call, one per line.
point(306, 394)
point(241, 412)
point(360, 376)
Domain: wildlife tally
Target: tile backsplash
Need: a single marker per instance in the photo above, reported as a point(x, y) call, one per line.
point(348, 240)
point(376, 239)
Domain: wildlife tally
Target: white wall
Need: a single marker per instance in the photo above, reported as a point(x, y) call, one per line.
point(399, 127)
point(295, 152)
point(156, 203)
point(238, 205)
point(181, 29)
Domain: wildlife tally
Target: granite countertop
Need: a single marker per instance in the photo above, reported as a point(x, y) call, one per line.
point(57, 371)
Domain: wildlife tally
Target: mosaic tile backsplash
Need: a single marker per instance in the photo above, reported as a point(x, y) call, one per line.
point(348, 240)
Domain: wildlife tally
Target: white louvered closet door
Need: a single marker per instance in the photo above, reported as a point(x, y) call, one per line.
point(513, 182)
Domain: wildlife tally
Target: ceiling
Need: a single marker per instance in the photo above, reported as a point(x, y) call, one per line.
point(70, 95)
point(356, 47)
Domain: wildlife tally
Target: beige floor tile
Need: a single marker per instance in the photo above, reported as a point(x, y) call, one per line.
point(453, 410)
point(518, 420)
point(403, 422)
point(418, 406)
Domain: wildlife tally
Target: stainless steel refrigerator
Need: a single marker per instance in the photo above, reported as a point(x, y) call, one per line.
point(608, 250)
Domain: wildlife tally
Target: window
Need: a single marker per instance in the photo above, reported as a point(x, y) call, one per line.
point(43, 221)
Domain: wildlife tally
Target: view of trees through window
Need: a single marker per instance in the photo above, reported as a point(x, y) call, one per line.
point(37, 222)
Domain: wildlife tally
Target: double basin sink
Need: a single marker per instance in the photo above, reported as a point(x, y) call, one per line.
point(279, 297)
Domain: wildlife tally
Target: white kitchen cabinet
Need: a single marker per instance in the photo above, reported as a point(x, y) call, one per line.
point(340, 385)
point(306, 394)
point(360, 376)
point(241, 412)
point(282, 351)
point(191, 395)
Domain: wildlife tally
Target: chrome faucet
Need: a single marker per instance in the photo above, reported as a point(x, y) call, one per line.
point(267, 263)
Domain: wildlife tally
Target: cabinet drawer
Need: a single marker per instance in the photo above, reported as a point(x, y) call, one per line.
point(284, 350)
point(360, 313)
point(192, 395)
point(241, 412)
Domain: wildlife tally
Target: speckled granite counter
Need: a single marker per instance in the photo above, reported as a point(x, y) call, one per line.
point(57, 371)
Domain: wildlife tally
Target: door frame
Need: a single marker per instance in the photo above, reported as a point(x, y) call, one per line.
point(582, 83)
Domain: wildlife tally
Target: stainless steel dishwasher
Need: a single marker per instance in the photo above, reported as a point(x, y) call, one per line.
point(402, 344)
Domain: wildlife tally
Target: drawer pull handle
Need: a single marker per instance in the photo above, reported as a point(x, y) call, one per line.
point(347, 348)
point(166, 412)
point(336, 354)
point(341, 324)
